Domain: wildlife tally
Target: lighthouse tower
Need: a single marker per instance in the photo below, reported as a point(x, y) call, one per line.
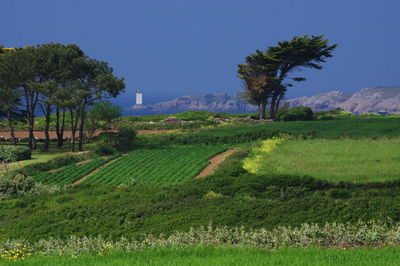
point(139, 97)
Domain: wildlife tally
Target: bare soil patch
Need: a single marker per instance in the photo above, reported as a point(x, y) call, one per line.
point(214, 162)
point(68, 134)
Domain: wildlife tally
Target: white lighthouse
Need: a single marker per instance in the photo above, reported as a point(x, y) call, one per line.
point(139, 97)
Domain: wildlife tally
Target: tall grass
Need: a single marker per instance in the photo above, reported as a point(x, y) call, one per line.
point(334, 160)
point(205, 255)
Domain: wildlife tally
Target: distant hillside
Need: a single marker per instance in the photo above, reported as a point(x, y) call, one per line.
point(211, 102)
point(384, 99)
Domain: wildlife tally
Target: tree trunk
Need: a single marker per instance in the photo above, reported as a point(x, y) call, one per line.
point(31, 99)
point(81, 127)
point(72, 131)
point(262, 110)
point(46, 129)
point(278, 103)
point(10, 124)
point(60, 130)
point(272, 107)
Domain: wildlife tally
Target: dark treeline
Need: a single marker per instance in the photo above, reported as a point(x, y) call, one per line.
point(53, 78)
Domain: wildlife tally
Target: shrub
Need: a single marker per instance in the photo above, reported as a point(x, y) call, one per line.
point(12, 185)
point(104, 149)
point(340, 193)
point(9, 153)
point(212, 195)
point(296, 114)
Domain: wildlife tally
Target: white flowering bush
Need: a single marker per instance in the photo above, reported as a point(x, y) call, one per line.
point(361, 234)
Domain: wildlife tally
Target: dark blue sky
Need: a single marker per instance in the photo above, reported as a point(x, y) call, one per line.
point(171, 48)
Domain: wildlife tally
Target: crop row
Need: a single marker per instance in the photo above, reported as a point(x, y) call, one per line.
point(71, 173)
point(157, 166)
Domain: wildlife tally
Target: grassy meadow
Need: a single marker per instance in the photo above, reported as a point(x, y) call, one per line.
point(350, 160)
point(354, 127)
point(205, 255)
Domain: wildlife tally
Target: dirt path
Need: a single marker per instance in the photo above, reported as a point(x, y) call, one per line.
point(95, 170)
point(214, 162)
point(68, 134)
point(78, 163)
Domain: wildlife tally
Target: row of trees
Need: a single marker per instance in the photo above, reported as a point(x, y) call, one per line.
point(53, 78)
point(266, 74)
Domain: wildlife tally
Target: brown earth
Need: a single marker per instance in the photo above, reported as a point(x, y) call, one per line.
point(68, 134)
point(214, 162)
point(78, 163)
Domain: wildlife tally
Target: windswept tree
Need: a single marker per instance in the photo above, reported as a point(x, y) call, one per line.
point(272, 69)
point(258, 75)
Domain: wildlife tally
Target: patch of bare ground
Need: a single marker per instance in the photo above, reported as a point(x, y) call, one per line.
point(68, 134)
point(78, 163)
point(214, 162)
point(95, 170)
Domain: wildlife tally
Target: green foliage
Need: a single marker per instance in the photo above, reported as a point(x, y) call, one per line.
point(101, 116)
point(337, 113)
point(12, 185)
point(215, 136)
point(161, 166)
point(104, 149)
point(255, 201)
point(9, 153)
point(264, 73)
point(122, 141)
point(296, 114)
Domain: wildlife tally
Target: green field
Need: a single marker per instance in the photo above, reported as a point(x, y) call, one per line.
point(333, 160)
point(205, 255)
point(71, 173)
point(157, 167)
point(356, 127)
point(37, 157)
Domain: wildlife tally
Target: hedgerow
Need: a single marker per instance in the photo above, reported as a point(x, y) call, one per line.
point(10, 153)
point(361, 234)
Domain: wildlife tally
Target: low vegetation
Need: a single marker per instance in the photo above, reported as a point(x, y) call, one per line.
point(9, 153)
point(71, 173)
point(333, 160)
point(205, 255)
point(160, 166)
point(296, 184)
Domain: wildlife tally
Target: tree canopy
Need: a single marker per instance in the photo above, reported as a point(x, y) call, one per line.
point(54, 77)
point(267, 75)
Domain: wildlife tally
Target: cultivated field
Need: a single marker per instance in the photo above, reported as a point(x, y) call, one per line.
point(334, 160)
point(161, 166)
point(281, 175)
